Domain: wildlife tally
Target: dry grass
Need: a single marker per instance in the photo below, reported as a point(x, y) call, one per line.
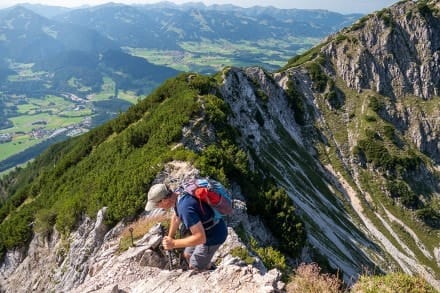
point(395, 282)
point(139, 229)
point(307, 279)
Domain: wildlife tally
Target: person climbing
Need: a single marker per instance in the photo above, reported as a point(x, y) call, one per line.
point(208, 232)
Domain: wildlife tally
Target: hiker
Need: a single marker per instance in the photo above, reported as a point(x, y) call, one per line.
point(207, 231)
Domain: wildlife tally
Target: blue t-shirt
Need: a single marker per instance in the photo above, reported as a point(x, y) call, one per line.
point(190, 210)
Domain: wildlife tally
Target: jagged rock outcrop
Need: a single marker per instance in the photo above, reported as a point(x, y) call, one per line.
point(143, 268)
point(52, 262)
point(394, 51)
point(278, 117)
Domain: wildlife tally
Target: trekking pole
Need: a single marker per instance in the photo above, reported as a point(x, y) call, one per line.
point(131, 234)
point(170, 260)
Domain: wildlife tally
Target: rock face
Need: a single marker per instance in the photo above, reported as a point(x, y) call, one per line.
point(52, 262)
point(264, 115)
point(144, 268)
point(394, 52)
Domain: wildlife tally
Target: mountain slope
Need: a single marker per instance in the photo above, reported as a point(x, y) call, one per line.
point(383, 144)
point(366, 193)
point(29, 37)
point(66, 51)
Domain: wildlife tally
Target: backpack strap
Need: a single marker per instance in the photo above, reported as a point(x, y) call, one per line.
point(213, 221)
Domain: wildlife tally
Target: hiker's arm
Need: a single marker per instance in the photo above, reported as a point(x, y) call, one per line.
point(197, 237)
point(174, 225)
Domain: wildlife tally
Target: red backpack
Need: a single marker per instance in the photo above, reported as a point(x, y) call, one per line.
point(211, 192)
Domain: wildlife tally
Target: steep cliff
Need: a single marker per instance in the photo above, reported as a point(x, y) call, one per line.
point(396, 52)
point(346, 205)
point(365, 106)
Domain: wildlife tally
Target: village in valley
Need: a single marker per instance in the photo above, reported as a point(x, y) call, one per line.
point(35, 121)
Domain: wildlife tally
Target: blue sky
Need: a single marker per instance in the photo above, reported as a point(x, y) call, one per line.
point(342, 6)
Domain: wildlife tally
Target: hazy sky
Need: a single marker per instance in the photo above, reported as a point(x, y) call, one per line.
point(342, 6)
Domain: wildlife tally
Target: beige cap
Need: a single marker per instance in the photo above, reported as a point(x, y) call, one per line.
point(156, 193)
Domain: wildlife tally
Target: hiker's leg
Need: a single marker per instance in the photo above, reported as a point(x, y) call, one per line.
point(201, 256)
point(187, 252)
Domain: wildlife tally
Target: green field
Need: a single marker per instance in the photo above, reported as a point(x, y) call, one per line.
point(211, 56)
point(50, 113)
point(19, 144)
point(128, 96)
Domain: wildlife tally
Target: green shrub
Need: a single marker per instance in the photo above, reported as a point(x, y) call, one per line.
point(386, 17)
point(304, 58)
point(424, 8)
point(16, 229)
point(296, 103)
point(278, 212)
point(389, 132)
point(375, 104)
point(243, 254)
point(203, 84)
point(376, 153)
point(399, 189)
point(227, 160)
point(222, 161)
point(370, 118)
point(360, 23)
point(430, 215)
point(331, 96)
point(272, 258)
point(318, 76)
point(44, 221)
point(340, 38)
point(262, 95)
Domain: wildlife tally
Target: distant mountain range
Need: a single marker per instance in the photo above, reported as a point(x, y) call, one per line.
point(165, 26)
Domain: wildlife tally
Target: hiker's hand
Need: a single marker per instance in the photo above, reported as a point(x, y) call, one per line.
point(168, 243)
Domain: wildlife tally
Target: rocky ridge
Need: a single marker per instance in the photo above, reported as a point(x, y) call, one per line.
point(394, 51)
point(368, 244)
point(239, 91)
